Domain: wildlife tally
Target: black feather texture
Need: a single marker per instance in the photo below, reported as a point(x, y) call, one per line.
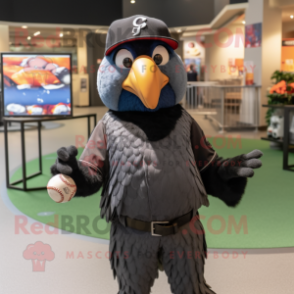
point(87, 183)
point(156, 125)
point(214, 178)
point(87, 179)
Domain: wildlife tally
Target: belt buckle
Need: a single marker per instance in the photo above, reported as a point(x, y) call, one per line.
point(157, 223)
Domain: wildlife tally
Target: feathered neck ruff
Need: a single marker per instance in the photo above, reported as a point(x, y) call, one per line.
point(156, 125)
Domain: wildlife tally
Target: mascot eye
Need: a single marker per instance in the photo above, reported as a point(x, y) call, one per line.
point(158, 59)
point(124, 59)
point(160, 55)
point(127, 62)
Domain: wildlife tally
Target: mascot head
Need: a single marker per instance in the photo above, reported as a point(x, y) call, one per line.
point(140, 70)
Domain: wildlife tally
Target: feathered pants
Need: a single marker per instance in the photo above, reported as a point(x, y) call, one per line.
point(137, 256)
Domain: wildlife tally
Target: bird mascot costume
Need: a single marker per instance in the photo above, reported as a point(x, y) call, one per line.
point(153, 162)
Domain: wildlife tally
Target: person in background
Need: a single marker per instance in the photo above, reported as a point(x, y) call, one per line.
point(192, 74)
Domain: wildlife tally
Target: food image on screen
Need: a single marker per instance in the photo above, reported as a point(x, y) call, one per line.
point(36, 84)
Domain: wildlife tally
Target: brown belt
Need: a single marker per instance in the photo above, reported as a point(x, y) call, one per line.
point(158, 228)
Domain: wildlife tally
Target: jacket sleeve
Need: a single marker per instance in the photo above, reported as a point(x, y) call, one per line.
point(211, 169)
point(93, 163)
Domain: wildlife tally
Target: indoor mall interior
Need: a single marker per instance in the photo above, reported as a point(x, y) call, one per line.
point(147, 146)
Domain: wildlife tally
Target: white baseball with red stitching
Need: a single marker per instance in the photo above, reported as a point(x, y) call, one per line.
point(61, 188)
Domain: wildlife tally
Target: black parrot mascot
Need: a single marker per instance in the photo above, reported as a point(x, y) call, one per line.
point(153, 161)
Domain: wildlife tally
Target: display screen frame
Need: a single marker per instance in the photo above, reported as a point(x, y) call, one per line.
point(2, 54)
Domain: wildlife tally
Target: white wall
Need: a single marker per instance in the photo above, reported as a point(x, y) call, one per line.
point(81, 98)
point(4, 38)
point(271, 50)
point(254, 14)
point(217, 57)
point(82, 51)
point(266, 58)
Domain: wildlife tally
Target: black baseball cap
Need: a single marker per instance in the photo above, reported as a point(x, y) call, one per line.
point(137, 27)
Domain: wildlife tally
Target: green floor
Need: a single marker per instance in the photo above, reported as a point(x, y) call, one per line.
point(265, 215)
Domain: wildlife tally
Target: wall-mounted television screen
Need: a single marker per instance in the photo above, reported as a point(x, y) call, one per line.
point(36, 84)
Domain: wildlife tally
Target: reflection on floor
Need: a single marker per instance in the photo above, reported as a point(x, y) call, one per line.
point(81, 266)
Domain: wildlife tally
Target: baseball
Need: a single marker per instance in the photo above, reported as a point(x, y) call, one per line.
point(61, 188)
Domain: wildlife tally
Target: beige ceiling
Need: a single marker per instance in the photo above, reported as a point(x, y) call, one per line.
point(287, 12)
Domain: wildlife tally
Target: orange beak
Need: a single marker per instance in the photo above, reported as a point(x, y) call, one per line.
point(145, 80)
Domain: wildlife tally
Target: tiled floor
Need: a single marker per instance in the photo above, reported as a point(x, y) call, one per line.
point(251, 272)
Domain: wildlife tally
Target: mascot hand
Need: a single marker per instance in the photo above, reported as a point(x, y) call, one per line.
point(240, 166)
point(66, 162)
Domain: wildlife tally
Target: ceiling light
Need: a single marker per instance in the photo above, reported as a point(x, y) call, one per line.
point(29, 38)
point(61, 35)
point(133, 1)
point(37, 33)
point(243, 22)
point(24, 27)
point(291, 16)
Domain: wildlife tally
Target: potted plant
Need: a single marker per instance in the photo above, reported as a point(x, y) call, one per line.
point(282, 93)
